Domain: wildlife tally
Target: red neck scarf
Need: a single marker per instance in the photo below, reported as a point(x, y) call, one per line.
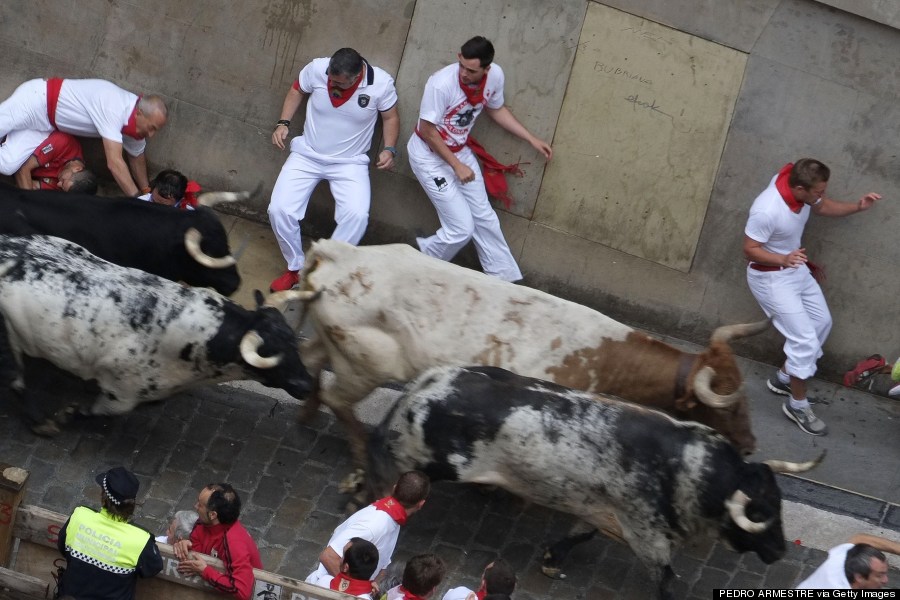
point(393, 508)
point(130, 128)
point(475, 95)
point(784, 188)
point(495, 173)
point(355, 587)
point(339, 96)
point(408, 595)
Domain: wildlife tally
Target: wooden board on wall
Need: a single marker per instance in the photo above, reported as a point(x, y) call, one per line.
point(639, 138)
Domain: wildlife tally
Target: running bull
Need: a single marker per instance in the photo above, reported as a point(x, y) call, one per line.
point(592, 456)
point(387, 313)
point(180, 245)
point(141, 337)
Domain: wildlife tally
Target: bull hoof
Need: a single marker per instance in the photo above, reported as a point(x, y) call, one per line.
point(549, 569)
point(553, 572)
point(353, 482)
point(48, 428)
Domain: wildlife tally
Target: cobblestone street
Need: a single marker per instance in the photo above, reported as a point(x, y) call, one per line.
point(288, 475)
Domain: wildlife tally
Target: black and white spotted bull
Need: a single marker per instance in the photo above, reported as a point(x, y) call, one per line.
point(630, 471)
point(141, 337)
point(180, 245)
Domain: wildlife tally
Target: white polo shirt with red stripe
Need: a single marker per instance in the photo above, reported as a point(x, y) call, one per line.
point(344, 131)
point(97, 108)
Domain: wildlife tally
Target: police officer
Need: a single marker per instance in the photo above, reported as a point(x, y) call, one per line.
point(104, 553)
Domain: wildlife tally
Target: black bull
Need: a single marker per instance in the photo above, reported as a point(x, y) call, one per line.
point(629, 471)
point(132, 233)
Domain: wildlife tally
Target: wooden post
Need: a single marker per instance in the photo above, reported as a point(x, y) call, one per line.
point(12, 489)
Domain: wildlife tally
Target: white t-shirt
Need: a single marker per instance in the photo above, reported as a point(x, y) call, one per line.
point(370, 524)
point(97, 108)
point(459, 593)
point(20, 144)
point(830, 574)
point(445, 105)
point(774, 224)
point(344, 131)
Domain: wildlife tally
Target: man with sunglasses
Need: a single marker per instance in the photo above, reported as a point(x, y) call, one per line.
point(345, 97)
point(781, 277)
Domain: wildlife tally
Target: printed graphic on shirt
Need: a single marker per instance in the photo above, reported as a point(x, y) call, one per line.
point(363, 100)
point(457, 120)
point(441, 183)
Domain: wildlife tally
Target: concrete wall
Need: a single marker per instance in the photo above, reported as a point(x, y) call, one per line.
point(809, 79)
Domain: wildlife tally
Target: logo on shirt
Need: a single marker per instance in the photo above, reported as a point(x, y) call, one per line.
point(47, 149)
point(441, 183)
point(363, 101)
point(465, 118)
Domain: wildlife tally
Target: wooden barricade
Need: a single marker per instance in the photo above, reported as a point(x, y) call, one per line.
point(27, 572)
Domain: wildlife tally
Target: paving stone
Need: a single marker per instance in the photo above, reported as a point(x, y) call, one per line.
point(185, 456)
point(330, 450)
point(710, 579)
point(221, 453)
point(280, 535)
point(493, 531)
point(272, 557)
point(269, 493)
point(782, 575)
point(287, 464)
point(302, 559)
point(318, 526)
point(722, 558)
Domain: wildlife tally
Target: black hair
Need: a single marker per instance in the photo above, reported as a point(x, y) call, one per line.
point(412, 488)
point(423, 573)
point(345, 61)
point(479, 47)
point(84, 182)
point(225, 502)
point(362, 558)
point(499, 580)
point(170, 184)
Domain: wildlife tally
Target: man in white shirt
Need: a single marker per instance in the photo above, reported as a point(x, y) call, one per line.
point(448, 169)
point(378, 523)
point(91, 108)
point(858, 565)
point(345, 97)
point(781, 279)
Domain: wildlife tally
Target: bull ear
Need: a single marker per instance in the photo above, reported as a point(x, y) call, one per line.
point(258, 296)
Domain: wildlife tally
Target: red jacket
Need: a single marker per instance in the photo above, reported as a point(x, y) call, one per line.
point(233, 546)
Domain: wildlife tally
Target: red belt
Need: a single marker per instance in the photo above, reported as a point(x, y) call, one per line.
point(54, 85)
point(759, 267)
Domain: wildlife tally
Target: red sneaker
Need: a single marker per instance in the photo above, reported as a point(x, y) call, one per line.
point(286, 281)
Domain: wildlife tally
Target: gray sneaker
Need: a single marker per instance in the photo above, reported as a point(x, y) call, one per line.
point(805, 419)
point(784, 389)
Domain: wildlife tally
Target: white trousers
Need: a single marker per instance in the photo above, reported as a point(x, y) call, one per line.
point(26, 109)
point(20, 144)
point(794, 301)
point(349, 184)
point(464, 211)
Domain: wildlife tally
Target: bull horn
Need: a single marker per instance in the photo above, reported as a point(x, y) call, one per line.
point(250, 344)
point(737, 508)
point(279, 299)
point(704, 393)
point(192, 240)
point(783, 466)
point(729, 332)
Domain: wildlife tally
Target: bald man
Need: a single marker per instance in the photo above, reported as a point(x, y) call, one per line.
point(91, 108)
